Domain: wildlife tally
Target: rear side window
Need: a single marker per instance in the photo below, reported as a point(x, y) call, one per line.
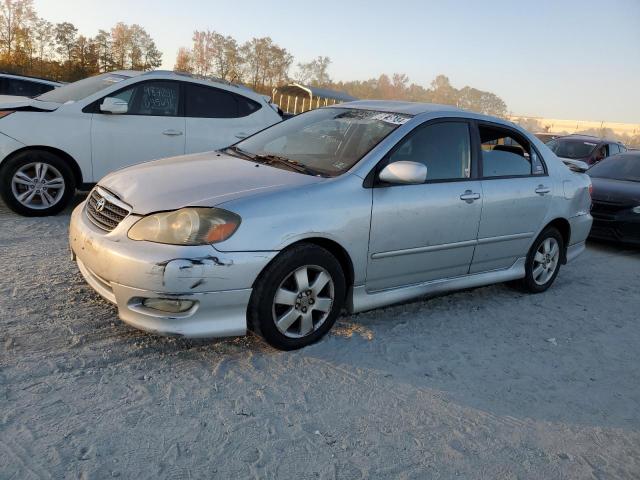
point(613, 149)
point(443, 147)
point(507, 154)
point(207, 102)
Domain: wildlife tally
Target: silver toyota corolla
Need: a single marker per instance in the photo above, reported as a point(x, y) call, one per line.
point(353, 206)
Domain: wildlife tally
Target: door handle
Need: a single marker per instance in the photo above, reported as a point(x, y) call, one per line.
point(542, 190)
point(242, 135)
point(469, 196)
point(172, 133)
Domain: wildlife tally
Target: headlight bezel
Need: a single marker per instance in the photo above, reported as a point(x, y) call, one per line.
point(188, 226)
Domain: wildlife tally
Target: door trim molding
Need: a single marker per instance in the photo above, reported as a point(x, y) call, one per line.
point(430, 248)
point(447, 246)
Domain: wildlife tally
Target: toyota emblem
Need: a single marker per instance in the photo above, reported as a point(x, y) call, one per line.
point(100, 205)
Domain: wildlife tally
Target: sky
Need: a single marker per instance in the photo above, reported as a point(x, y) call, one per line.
point(554, 59)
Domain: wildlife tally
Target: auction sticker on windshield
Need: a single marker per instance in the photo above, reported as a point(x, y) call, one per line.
point(393, 118)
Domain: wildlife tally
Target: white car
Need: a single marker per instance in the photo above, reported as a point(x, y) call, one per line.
point(23, 86)
point(71, 137)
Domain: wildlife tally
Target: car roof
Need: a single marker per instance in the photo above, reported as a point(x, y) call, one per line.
point(406, 108)
point(204, 80)
point(30, 78)
point(587, 138)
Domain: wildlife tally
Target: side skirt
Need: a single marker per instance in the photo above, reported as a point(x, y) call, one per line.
point(360, 300)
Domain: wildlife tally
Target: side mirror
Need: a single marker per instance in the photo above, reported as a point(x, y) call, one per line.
point(576, 165)
point(114, 105)
point(404, 173)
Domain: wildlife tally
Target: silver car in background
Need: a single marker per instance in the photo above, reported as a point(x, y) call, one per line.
point(353, 206)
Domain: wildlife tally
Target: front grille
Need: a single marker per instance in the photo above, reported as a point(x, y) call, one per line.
point(104, 210)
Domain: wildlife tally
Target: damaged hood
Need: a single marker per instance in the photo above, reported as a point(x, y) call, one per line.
point(200, 180)
point(12, 102)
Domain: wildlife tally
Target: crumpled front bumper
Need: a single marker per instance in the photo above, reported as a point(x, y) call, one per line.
point(126, 272)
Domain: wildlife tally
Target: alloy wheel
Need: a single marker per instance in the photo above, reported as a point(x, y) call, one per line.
point(303, 301)
point(38, 185)
point(545, 261)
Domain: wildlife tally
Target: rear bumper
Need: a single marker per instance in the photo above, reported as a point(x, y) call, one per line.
point(580, 226)
point(126, 272)
point(617, 231)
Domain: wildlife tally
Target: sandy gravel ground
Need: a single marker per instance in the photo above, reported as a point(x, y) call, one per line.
point(489, 383)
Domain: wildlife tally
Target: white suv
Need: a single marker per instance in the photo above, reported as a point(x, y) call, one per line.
point(71, 137)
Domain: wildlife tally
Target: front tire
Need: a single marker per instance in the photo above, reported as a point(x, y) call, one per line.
point(297, 298)
point(543, 261)
point(36, 183)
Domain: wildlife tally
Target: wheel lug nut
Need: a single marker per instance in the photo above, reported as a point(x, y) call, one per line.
point(304, 309)
point(311, 301)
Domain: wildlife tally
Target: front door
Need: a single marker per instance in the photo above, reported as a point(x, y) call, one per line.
point(152, 128)
point(428, 231)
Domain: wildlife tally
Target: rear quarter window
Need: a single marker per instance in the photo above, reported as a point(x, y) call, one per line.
point(208, 102)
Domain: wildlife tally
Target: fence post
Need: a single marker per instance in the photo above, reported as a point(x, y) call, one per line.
point(288, 100)
point(295, 106)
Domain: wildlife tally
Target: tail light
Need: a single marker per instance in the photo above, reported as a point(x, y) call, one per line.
point(590, 189)
point(4, 113)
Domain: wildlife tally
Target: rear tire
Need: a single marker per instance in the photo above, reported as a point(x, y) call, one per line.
point(543, 261)
point(297, 298)
point(36, 183)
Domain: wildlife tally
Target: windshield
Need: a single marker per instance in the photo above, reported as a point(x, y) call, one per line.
point(619, 167)
point(82, 88)
point(572, 148)
point(327, 141)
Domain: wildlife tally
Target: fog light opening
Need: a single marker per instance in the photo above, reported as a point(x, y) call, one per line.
point(169, 305)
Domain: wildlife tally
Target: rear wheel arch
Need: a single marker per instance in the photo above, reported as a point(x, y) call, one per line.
point(564, 227)
point(75, 168)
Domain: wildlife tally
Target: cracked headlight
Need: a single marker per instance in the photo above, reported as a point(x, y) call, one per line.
point(187, 226)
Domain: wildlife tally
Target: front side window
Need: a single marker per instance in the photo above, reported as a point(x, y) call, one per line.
point(328, 141)
point(158, 98)
point(444, 148)
point(506, 153)
point(208, 102)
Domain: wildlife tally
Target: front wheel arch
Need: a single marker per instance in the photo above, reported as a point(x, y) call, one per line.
point(75, 168)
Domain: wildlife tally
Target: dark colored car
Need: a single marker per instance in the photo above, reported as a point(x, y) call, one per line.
point(616, 198)
point(584, 150)
point(24, 86)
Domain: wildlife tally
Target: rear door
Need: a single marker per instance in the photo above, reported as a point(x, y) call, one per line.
point(517, 196)
point(428, 231)
point(217, 118)
point(152, 128)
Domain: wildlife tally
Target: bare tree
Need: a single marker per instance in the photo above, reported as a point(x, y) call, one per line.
point(314, 72)
point(66, 39)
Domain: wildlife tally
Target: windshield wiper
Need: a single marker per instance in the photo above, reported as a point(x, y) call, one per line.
point(241, 152)
point(270, 159)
